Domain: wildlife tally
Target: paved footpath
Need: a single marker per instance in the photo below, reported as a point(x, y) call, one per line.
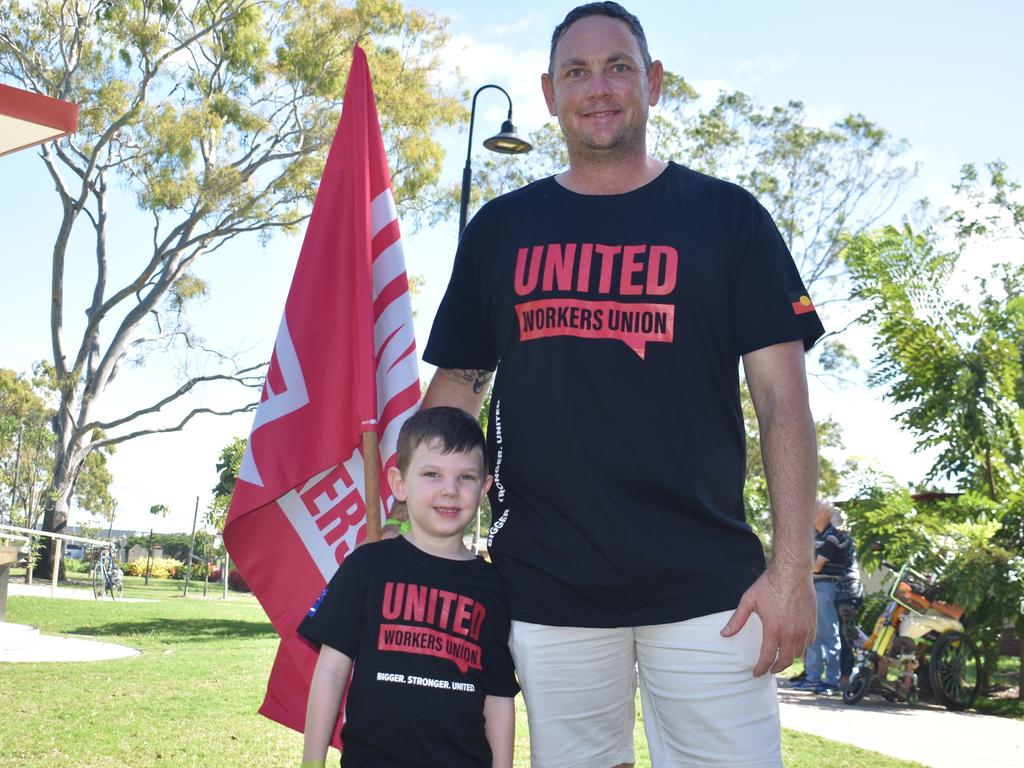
point(65, 593)
point(927, 733)
point(22, 643)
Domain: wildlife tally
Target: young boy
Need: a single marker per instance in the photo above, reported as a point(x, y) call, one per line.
point(425, 622)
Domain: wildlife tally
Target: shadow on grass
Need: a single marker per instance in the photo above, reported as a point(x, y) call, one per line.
point(181, 630)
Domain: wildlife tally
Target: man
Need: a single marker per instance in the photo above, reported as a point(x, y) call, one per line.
point(616, 300)
point(832, 560)
point(849, 597)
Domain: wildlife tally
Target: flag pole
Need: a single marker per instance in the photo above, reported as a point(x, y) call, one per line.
point(365, 395)
point(371, 483)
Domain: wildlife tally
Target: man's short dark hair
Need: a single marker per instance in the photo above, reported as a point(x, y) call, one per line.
point(612, 11)
point(457, 431)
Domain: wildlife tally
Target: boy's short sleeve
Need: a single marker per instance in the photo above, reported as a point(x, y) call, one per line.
point(336, 617)
point(500, 673)
point(770, 303)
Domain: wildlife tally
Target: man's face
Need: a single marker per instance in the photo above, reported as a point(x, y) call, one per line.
point(822, 515)
point(599, 90)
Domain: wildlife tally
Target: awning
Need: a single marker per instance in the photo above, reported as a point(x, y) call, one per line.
point(27, 119)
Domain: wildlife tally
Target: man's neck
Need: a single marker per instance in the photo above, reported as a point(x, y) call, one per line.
point(614, 178)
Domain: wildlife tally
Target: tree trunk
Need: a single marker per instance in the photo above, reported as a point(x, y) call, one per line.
point(55, 520)
point(1020, 661)
point(55, 511)
point(989, 663)
point(989, 476)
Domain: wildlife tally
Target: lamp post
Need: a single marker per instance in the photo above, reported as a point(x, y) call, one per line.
point(505, 142)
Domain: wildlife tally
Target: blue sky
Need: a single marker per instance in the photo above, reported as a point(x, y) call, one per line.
point(943, 77)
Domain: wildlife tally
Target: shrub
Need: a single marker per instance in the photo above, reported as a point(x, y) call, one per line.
point(174, 544)
point(72, 565)
point(235, 580)
point(160, 567)
point(198, 572)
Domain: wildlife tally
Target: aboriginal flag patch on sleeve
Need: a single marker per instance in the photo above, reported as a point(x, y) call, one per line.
point(801, 303)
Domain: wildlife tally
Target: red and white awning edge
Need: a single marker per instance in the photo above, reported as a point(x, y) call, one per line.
point(27, 119)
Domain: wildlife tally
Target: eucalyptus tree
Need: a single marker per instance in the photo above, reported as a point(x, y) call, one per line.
point(26, 453)
point(26, 445)
point(213, 117)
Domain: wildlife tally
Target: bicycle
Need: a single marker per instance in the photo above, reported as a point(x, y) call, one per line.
point(912, 620)
point(107, 577)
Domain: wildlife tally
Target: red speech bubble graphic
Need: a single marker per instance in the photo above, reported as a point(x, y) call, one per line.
point(634, 324)
point(429, 642)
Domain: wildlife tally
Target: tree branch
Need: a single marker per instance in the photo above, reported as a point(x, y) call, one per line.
point(108, 441)
point(238, 376)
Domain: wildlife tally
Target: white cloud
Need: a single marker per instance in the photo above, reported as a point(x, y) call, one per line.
point(760, 67)
point(522, 24)
point(517, 70)
point(823, 116)
point(870, 432)
point(709, 90)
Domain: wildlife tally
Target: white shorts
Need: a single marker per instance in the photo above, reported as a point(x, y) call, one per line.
point(702, 705)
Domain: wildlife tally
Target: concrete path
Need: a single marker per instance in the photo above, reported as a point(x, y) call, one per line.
point(927, 733)
point(22, 643)
point(65, 593)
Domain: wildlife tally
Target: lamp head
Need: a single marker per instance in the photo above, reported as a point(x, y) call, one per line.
point(508, 142)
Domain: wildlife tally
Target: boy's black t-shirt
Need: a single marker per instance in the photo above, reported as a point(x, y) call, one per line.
point(429, 640)
point(617, 445)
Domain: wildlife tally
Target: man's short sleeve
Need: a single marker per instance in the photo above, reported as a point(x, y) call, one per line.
point(770, 303)
point(461, 336)
point(829, 549)
point(336, 617)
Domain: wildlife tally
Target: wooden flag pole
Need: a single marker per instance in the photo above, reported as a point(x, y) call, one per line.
point(371, 484)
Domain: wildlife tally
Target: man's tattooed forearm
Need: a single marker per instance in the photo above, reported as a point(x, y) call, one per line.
point(477, 379)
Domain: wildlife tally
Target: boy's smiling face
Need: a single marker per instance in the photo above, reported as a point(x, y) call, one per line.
point(442, 491)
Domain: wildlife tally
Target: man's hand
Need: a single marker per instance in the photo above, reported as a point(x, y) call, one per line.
point(784, 601)
point(784, 595)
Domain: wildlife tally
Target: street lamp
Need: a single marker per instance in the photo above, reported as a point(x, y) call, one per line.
point(506, 142)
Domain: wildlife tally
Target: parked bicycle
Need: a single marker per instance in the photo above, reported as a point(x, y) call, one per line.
point(107, 577)
point(914, 631)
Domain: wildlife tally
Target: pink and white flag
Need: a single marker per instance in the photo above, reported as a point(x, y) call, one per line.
point(344, 363)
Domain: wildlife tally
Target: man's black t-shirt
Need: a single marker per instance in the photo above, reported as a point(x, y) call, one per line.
point(836, 547)
point(429, 640)
point(616, 435)
point(827, 544)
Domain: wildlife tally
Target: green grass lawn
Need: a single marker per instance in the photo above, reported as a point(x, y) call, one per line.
point(1004, 704)
point(190, 699)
